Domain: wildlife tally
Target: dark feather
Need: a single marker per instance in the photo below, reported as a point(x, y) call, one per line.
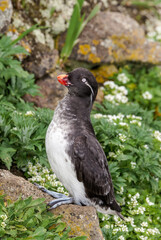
point(92, 169)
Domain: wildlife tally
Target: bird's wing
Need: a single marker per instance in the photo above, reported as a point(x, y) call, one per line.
point(91, 167)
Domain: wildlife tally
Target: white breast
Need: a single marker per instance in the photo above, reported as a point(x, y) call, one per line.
point(60, 162)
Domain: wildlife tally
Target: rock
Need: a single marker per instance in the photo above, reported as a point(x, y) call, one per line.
point(51, 90)
point(103, 72)
point(100, 96)
point(13, 186)
point(115, 37)
point(41, 61)
point(82, 220)
point(5, 14)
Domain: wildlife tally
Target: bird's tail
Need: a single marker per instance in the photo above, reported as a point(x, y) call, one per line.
point(120, 215)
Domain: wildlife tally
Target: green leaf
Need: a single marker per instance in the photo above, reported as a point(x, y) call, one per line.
point(6, 153)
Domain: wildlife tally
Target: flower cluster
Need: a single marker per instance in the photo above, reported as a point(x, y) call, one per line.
point(45, 177)
point(116, 94)
point(154, 29)
point(132, 225)
point(3, 217)
point(120, 119)
point(157, 135)
point(147, 95)
point(123, 78)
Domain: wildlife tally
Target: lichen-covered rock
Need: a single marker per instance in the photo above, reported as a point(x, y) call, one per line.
point(41, 61)
point(82, 220)
point(115, 37)
point(5, 14)
point(51, 92)
point(103, 72)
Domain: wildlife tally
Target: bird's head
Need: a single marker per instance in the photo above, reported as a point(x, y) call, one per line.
point(80, 82)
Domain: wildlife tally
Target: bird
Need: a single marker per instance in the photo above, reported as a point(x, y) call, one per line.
point(74, 153)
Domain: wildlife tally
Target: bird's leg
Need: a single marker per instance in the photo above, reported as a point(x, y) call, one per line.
point(57, 202)
point(51, 193)
point(61, 198)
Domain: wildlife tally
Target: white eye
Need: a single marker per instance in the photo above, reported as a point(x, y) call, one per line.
point(84, 80)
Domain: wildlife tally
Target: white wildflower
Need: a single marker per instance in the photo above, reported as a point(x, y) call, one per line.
point(144, 224)
point(29, 113)
point(3, 224)
point(158, 29)
point(45, 170)
point(121, 238)
point(112, 154)
point(153, 231)
point(131, 220)
point(111, 84)
point(98, 115)
point(122, 137)
point(123, 78)
point(157, 135)
point(141, 210)
point(110, 98)
point(135, 122)
point(3, 217)
point(149, 202)
point(147, 95)
point(143, 237)
point(115, 230)
point(123, 124)
point(107, 226)
point(124, 228)
point(123, 90)
point(146, 146)
point(133, 165)
point(139, 229)
point(121, 191)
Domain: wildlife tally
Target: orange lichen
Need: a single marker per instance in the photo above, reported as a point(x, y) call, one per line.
point(94, 58)
point(84, 49)
point(26, 46)
point(3, 5)
point(157, 113)
point(104, 72)
point(96, 42)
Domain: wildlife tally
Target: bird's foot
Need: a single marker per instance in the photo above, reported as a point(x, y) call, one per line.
point(58, 202)
point(51, 193)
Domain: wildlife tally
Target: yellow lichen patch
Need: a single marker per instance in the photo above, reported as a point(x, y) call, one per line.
point(26, 46)
point(120, 41)
point(3, 5)
point(1, 192)
point(104, 72)
point(132, 86)
point(84, 49)
point(96, 42)
point(93, 58)
point(157, 113)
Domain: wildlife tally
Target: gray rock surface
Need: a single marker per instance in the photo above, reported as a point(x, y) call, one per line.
point(6, 10)
point(82, 220)
point(41, 61)
point(51, 90)
point(115, 37)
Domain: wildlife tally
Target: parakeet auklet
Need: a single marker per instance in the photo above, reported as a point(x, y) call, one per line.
point(75, 155)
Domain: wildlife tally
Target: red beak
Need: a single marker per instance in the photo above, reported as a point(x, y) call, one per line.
point(63, 79)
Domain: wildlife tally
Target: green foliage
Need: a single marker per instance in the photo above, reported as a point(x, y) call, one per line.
point(14, 81)
point(132, 142)
point(76, 26)
point(142, 83)
point(29, 219)
point(23, 134)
